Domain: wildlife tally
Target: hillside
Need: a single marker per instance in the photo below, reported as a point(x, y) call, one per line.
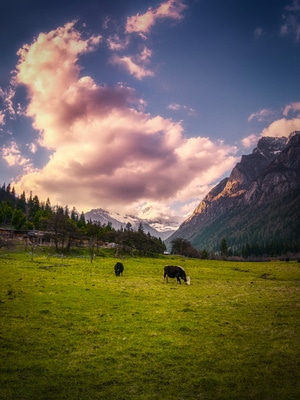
point(257, 205)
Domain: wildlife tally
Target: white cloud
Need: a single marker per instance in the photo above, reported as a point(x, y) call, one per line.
point(13, 156)
point(292, 107)
point(250, 141)
point(177, 107)
point(33, 147)
point(261, 115)
point(278, 128)
point(174, 107)
point(157, 211)
point(282, 127)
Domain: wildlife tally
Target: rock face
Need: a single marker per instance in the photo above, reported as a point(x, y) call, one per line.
point(280, 176)
point(269, 176)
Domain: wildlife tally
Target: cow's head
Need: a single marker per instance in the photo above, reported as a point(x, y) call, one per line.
point(188, 280)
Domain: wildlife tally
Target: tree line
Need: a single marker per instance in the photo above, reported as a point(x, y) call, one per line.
point(68, 228)
point(260, 250)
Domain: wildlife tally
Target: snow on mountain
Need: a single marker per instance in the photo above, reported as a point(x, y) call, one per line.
point(161, 227)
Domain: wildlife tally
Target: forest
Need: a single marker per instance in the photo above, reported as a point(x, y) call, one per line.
point(68, 229)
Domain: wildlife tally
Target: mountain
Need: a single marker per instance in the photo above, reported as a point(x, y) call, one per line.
point(259, 203)
point(159, 227)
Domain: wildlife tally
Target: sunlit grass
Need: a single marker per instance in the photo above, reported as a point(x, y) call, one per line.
point(70, 329)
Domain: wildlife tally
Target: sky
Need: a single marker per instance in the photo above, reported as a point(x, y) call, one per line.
point(137, 106)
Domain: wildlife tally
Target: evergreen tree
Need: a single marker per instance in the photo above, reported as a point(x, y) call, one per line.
point(184, 247)
point(224, 248)
point(21, 203)
point(81, 223)
point(34, 206)
point(67, 213)
point(74, 215)
point(140, 228)
point(18, 219)
point(48, 205)
point(6, 213)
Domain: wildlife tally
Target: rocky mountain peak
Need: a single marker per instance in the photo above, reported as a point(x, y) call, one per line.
point(158, 227)
point(270, 146)
point(259, 180)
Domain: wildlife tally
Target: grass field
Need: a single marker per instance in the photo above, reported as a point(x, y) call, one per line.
point(70, 329)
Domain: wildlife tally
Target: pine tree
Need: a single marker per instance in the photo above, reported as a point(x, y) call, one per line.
point(224, 248)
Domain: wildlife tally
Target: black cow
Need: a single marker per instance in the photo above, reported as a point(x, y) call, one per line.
point(175, 271)
point(119, 268)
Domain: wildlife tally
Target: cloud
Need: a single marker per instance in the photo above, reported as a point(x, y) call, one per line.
point(278, 128)
point(157, 211)
point(177, 107)
point(291, 107)
point(261, 115)
point(138, 65)
point(291, 21)
point(258, 33)
point(13, 157)
point(282, 127)
point(32, 147)
point(174, 107)
point(250, 141)
point(135, 65)
point(106, 152)
point(142, 23)
point(294, 7)
point(8, 107)
point(115, 43)
point(2, 117)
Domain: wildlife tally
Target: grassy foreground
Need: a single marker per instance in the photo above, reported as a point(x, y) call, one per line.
point(70, 329)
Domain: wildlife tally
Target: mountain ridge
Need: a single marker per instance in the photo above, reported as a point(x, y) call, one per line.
point(158, 227)
point(268, 176)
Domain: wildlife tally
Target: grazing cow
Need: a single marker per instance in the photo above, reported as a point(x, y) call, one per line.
point(119, 268)
point(175, 271)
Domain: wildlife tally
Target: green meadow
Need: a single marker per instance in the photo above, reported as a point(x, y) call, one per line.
point(70, 329)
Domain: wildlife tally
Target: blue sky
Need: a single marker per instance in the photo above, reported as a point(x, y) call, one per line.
point(141, 105)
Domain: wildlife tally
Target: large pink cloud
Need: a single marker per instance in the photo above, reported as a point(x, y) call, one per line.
point(105, 152)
